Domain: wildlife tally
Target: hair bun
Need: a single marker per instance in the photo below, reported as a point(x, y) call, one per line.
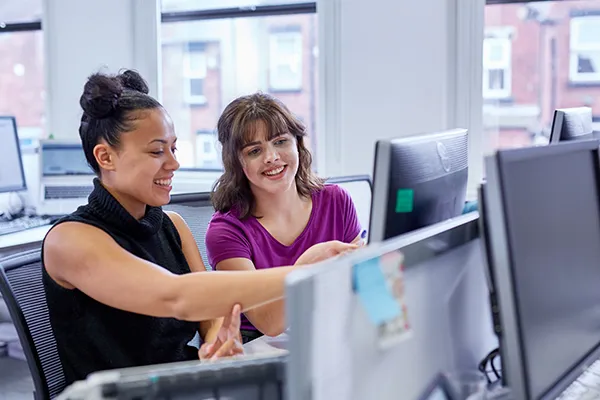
point(132, 80)
point(100, 96)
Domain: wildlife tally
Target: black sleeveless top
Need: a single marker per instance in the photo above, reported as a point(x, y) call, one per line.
point(91, 336)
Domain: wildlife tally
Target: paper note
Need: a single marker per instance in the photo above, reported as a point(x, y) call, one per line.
point(404, 200)
point(379, 284)
point(331, 360)
point(370, 285)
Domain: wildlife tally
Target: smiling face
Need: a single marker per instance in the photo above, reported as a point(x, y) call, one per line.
point(269, 159)
point(142, 167)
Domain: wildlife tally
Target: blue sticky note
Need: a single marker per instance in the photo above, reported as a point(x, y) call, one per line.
point(371, 287)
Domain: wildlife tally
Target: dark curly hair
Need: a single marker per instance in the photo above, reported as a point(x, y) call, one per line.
point(235, 128)
point(109, 105)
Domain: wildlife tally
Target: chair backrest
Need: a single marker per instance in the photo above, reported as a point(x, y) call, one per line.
point(360, 189)
point(196, 209)
point(22, 289)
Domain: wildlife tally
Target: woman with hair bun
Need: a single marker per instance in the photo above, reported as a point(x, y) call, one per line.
point(124, 280)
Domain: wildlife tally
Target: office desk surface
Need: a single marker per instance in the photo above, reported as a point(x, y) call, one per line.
point(23, 238)
point(263, 345)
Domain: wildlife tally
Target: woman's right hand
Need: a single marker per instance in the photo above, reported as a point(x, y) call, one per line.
point(325, 250)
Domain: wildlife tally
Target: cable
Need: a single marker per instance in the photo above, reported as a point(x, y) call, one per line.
point(489, 359)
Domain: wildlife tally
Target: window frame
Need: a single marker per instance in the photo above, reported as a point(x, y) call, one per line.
point(28, 144)
point(309, 7)
point(576, 48)
point(189, 73)
point(505, 41)
point(276, 83)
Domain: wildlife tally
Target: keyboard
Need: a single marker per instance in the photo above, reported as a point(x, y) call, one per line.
point(23, 223)
point(255, 377)
point(586, 386)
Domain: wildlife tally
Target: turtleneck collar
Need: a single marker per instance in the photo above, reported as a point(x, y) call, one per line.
point(105, 206)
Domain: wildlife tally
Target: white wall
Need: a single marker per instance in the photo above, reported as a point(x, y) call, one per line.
point(85, 36)
point(393, 68)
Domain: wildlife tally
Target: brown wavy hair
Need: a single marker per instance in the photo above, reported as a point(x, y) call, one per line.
point(237, 127)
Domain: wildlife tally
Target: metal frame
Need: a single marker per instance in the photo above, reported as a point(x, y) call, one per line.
point(240, 12)
point(350, 178)
point(20, 26)
point(196, 199)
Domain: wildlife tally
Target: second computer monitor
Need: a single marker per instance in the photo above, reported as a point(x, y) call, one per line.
point(572, 124)
point(418, 181)
point(543, 228)
point(12, 175)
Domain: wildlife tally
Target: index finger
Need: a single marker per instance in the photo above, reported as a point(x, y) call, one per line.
point(235, 320)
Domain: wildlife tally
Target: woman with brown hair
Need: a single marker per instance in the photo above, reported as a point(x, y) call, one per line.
point(271, 207)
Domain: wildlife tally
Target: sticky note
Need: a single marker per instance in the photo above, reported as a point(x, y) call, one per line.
point(404, 200)
point(370, 285)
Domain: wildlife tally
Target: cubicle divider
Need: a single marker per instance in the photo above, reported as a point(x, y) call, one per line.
point(335, 350)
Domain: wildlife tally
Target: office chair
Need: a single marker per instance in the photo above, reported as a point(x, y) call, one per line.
point(22, 289)
point(360, 189)
point(196, 209)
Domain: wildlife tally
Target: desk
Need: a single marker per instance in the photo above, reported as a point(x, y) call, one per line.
point(266, 345)
point(23, 240)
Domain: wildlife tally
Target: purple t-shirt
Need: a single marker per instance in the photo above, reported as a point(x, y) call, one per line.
point(333, 217)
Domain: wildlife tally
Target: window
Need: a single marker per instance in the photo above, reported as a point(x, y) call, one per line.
point(496, 67)
point(538, 56)
point(585, 49)
point(209, 61)
point(285, 60)
point(195, 73)
point(22, 67)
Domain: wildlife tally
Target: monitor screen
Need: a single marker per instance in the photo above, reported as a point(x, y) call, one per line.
point(418, 181)
point(12, 176)
point(551, 207)
point(64, 159)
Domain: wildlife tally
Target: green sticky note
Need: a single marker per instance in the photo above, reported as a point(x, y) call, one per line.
point(404, 200)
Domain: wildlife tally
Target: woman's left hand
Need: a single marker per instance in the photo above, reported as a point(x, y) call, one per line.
point(228, 342)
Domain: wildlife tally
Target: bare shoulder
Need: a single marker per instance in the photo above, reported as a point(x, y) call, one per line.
point(180, 224)
point(70, 244)
point(175, 217)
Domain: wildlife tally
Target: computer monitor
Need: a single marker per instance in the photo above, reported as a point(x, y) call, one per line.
point(418, 181)
point(63, 158)
point(571, 124)
point(542, 213)
point(12, 175)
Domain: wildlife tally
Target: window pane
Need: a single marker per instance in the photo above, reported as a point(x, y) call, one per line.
point(20, 10)
point(190, 5)
point(496, 79)
point(589, 30)
point(196, 87)
point(545, 71)
point(588, 62)
point(22, 81)
point(275, 55)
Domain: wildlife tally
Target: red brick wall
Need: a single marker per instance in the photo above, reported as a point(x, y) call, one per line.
point(532, 61)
